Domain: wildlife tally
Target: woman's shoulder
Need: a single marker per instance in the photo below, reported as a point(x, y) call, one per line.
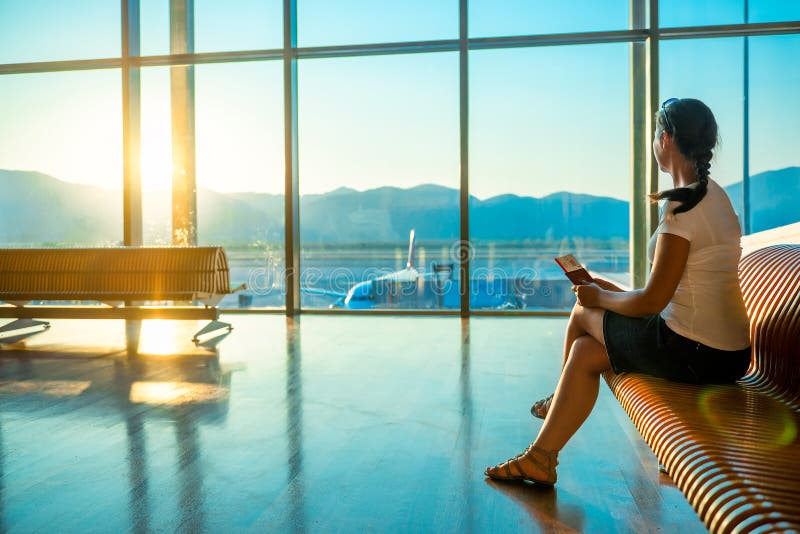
point(718, 193)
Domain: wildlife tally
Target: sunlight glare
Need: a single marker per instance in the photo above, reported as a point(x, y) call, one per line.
point(159, 336)
point(175, 393)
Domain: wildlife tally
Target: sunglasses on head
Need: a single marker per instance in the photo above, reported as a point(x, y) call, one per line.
point(664, 106)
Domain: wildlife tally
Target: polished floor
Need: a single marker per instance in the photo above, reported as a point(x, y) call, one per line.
point(322, 424)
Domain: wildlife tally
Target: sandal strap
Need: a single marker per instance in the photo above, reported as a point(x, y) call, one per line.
point(544, 459)
point(508, 469)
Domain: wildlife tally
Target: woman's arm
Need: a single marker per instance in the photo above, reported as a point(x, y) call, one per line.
point(605, 284)
point(668, 264)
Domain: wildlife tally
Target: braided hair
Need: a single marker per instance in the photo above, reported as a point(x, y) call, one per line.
point(694, 130)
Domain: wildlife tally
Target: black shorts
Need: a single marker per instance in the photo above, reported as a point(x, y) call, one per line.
point(647, 345)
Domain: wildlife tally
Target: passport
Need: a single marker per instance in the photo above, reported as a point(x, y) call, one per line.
point(577, 274)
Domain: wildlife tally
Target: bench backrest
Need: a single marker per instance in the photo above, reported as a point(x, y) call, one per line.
point(770, 279)
point(135, 273)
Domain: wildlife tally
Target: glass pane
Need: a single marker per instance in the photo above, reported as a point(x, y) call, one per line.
point(43, 30)
point(240, 162)
point(721, 88)
point(238, 25)
point(773, 10)
point(326, 23)
point(379, 151)
point(523, 17)
point(673, 13)
point(549, 158)
point(156, 155)
point(154, 27)
point(219, 26)
point(61, 159)
point(774, 137)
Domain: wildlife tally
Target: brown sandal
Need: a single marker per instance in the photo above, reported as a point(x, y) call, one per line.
point(541, 407)
point(541, 458)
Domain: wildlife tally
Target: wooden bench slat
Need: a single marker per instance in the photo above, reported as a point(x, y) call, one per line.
point(734, 451)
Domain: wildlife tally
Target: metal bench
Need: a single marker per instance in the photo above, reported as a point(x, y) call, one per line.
point(734, 451)
point(131, 283)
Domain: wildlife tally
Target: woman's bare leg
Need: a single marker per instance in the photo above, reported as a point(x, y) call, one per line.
point(582, 321)
point(576, 393)
point(577, 388)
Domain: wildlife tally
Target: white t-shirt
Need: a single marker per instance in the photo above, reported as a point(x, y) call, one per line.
point(707, 305)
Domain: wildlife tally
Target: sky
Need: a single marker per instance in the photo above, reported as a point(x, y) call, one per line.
point(541, 119)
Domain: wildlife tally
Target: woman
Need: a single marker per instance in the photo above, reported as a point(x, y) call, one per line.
point(687, 324)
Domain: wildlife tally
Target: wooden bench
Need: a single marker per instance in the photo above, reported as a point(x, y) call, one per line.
point(734, 451)
point(131, 282)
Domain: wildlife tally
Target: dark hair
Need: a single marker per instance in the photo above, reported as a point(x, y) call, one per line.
point(694, 130)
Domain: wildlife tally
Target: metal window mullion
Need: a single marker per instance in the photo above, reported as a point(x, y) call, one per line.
point(131, 126)
point(464, 246)
point(730, 30)
point(653, 51)
point(746, 130)
point(182, 93)
point(291, 159)
point(442, 45)
point(639, 149)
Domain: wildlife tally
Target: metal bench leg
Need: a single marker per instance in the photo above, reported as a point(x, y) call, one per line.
point(213, 326)
point(21, 324)
point(133, 332)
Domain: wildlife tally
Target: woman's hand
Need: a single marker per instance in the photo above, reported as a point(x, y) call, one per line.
point(588, 295)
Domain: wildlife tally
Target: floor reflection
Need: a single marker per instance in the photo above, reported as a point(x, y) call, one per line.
point(138, 496)
point(467, 416)
point(187, 390)
point(294, 430)
point(338, 424)
point(543, 506)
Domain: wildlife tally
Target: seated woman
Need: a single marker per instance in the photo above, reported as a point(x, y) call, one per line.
point(687, 324)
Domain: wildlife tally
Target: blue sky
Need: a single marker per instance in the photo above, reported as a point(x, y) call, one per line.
point(542, 120)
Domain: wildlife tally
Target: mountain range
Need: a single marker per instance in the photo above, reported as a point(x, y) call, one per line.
point(37, 208)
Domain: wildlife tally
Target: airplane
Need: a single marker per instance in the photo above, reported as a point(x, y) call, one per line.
point(368, 294)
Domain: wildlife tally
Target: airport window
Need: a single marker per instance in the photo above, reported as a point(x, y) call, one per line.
point(156, 156)
point(239, 153)
point(42, 30)
point(326, 23)
point(238, 25)
point(489, 18)
point(533, 198)
point(380, 109)
point(772, 11)
point(674, 13)
point(774, 113)
point(154, 27)
point(378, 159)
point(61, 159)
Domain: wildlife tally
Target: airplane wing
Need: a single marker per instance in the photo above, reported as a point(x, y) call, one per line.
point(315, 291)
